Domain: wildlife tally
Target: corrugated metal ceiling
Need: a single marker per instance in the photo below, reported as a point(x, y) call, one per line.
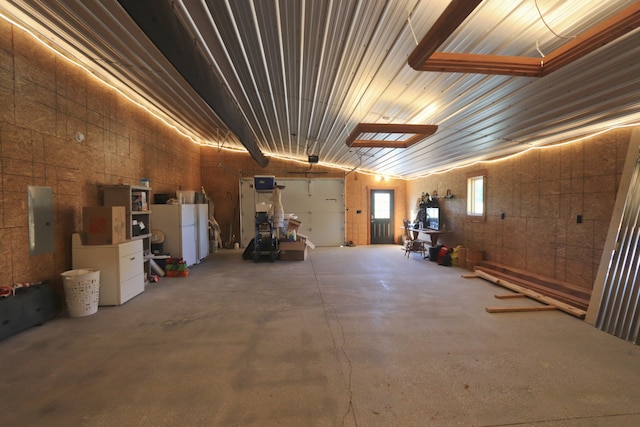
point(304, 73)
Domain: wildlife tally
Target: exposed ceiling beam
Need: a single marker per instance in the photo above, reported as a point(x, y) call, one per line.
point(159, 22)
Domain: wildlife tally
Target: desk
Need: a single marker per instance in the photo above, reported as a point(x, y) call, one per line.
point(433, 234)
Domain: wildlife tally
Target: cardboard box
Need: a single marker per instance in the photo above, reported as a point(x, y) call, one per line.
point(293, 224)
point(263, 207)
point(293, 251)
point(306, 240)
point(104, 225)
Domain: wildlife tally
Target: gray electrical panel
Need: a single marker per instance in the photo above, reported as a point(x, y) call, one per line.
point(41, 233)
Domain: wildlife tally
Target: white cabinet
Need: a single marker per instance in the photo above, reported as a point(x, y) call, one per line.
point(121, 268)
point(178, 223)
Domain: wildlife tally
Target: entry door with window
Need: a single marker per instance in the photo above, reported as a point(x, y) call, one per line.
point(382, 217)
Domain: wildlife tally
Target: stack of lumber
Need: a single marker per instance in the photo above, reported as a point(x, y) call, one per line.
point(567, 293)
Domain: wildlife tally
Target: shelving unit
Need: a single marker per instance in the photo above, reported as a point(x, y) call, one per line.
point(136, 200)
point(266, 236)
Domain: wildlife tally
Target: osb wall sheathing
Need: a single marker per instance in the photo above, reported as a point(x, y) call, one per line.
point(541, 194)
point(44, 102)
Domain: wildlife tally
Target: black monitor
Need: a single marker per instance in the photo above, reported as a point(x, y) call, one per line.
point(433, 218)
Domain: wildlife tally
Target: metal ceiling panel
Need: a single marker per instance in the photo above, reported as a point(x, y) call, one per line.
point(172, 37)
point(303, 74)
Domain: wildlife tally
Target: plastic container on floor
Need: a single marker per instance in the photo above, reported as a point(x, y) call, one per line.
point(433, 253)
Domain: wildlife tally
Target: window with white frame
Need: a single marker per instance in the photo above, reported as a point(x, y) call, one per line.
point(475, 196)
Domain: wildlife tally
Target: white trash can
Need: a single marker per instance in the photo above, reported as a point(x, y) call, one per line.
point(82, 291)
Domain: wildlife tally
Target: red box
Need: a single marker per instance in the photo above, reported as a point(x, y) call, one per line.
point(177, 273)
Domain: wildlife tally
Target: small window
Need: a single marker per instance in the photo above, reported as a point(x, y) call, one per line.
point(475, 196)
point(382, 205)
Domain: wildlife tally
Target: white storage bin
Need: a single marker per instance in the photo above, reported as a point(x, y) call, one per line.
point(82, 291)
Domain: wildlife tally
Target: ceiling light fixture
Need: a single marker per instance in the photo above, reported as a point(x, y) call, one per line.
point(426, 58)
point(388, 135)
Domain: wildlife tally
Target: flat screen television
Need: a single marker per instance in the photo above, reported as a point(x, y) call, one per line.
point(433, 218)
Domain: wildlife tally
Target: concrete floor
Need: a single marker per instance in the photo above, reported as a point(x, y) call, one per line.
point(351, 337)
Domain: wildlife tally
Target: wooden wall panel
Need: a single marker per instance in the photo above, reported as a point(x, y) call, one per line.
point(541, 194)
point(44, 101)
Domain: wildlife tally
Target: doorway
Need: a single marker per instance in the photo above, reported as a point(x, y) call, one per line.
point(382, 217)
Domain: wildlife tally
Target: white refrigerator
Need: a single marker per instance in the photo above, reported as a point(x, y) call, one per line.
point(202, 232)
point(178, 223)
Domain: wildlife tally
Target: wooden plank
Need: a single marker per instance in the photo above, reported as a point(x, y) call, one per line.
point(545, 281)
point(449, 20)
point(557, 294)
point(483, 64)
point(520, 309)
point(534, 295)
point(533, 282)
point(469, 276)
point(508, 296)
point(594, 38)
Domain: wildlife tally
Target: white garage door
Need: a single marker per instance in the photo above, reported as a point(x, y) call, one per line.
point(318, 204)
